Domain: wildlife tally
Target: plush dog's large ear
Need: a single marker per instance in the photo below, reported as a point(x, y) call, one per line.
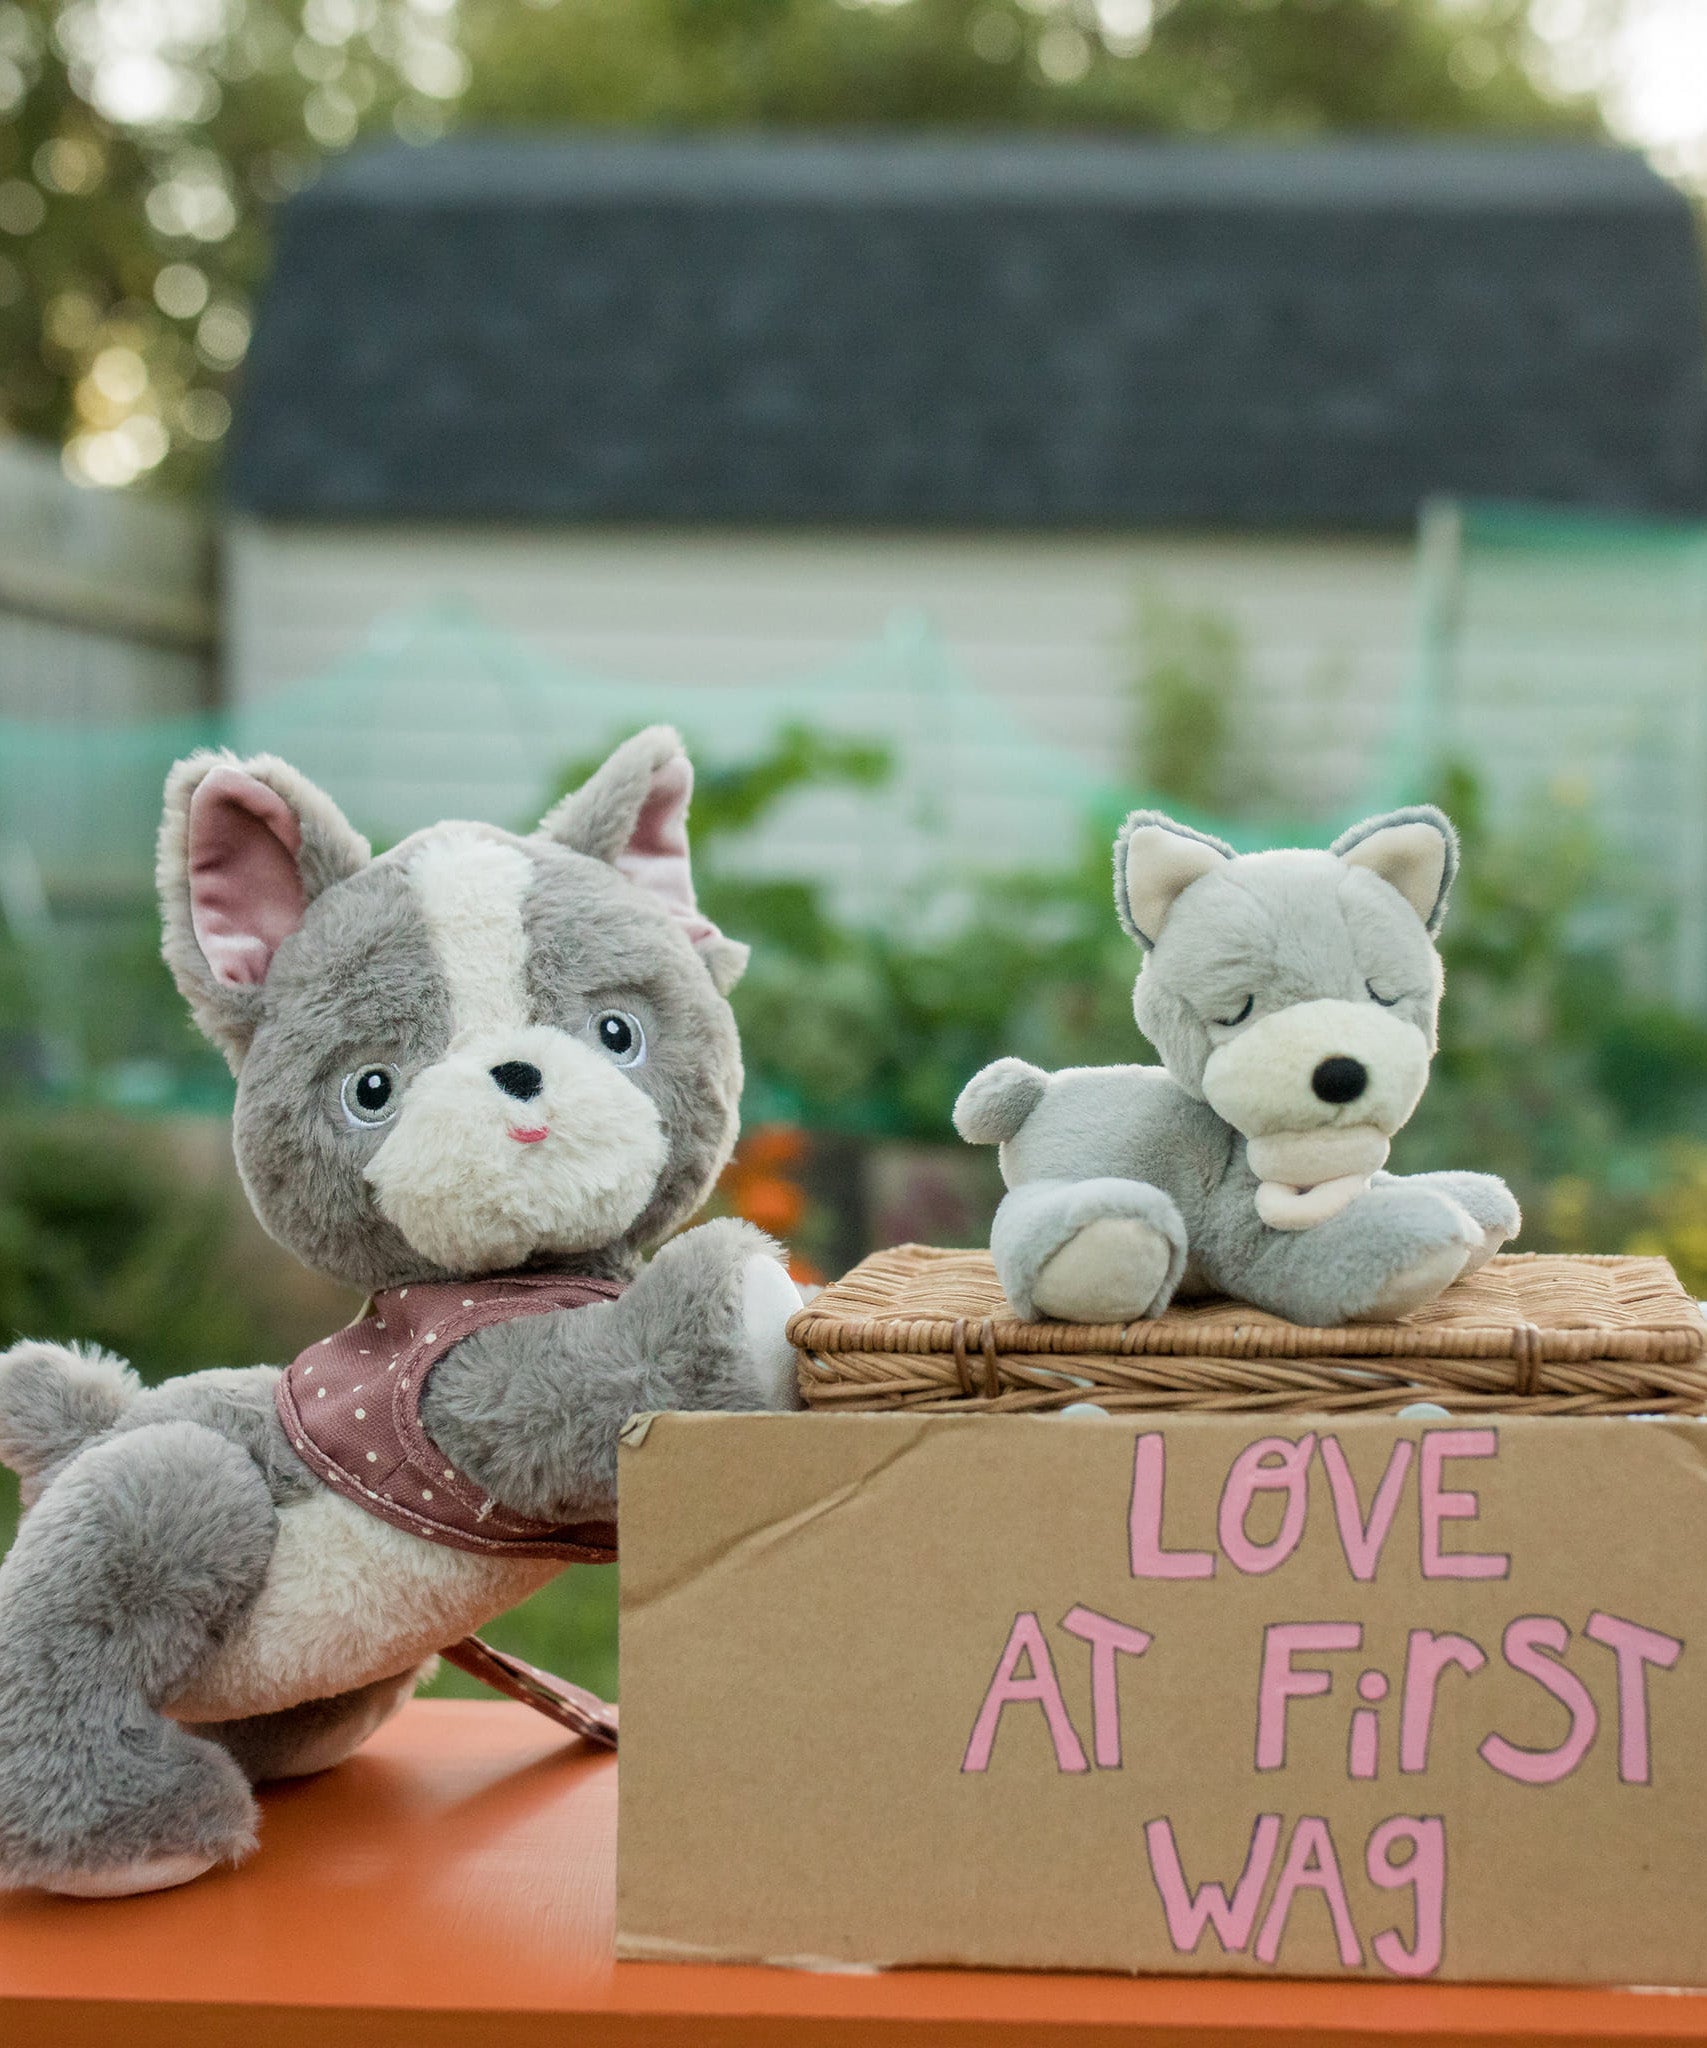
point(633, 813)
point(1155, 859)
point(1414, 849)
point(245, 847)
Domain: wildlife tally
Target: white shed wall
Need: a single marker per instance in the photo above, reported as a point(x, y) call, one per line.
point(1049, 626)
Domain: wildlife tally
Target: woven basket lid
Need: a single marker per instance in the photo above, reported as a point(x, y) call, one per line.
point(923, 1328)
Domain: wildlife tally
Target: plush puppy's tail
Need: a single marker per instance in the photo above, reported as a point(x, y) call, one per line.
point(996, 1102)
point(54, 1398)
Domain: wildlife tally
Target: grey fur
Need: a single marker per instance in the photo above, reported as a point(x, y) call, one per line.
point(1411, 814)
point(1253, 940)
point(597, 818)
point(532, 1409)
point(995, 1103)
point(299, 1741)
point(154, 1511)
point(332, 851)
point(53, 1399)
point(142, 1552)
point(1040, 1218)
point(1135, 820)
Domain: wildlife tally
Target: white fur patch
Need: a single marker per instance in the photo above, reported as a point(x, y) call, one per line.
point(768, 1299)
point(348, 1599)
point(128, 1880)
point(1259, 1082)
point(1110, 1272)
point(471, 888)
point(472, 1197)
point(1289, 1208)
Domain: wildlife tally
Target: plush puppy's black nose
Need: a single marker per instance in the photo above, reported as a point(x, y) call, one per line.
point(1340, 1079)
point(524, 1081)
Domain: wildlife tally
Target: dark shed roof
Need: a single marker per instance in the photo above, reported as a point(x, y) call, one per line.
point(1013, 332)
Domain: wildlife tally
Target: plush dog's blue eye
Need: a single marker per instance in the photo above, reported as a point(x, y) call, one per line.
point(1386, 1002)
point(369, 1095)
point(1245, 1009)
point(621, 1037)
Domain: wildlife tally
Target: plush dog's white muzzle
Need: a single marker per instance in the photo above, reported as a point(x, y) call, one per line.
point(1317, 1089)
point(479, 1176)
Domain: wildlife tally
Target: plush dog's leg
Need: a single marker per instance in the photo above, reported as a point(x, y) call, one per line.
point(1088, 1251)
point(138, 1558)
point(1484, 1198)
point(298, 1741)
point(1390, 1251)
point(532, 1408)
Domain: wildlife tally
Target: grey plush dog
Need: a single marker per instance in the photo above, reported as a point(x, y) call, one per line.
point(1293, 998)
point(477, 1054)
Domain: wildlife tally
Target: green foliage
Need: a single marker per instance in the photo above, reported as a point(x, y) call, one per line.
point(1559, 1066)
point(568, 1626)
point(1194, 743)
point(106, 1237)
point(141, 150)
point(137, 166)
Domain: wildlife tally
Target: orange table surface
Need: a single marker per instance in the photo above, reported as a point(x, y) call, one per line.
point(455, 1883)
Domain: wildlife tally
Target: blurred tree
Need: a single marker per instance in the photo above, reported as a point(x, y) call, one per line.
point(143, 144)
point(1158, 65)
point(139, 150)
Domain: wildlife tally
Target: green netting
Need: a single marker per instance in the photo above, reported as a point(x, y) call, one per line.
point(441, 715)
point(1564, 660)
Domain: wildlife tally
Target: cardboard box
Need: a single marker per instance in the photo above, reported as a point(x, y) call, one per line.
point(1231, 1693)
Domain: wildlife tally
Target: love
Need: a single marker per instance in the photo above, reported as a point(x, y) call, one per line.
point(1281, 1466)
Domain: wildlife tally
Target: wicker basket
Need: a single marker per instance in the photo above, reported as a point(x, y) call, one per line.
point(923, 1329)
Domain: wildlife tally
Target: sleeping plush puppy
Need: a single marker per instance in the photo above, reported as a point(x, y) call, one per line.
point(1293, 998)
point(477, 1077)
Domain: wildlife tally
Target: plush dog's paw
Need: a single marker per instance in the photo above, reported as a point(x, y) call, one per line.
point(127, 1880)
point(1416, 1284)
point(768, 1299)
point(1426, 1243)
point(161, 1813)
point(1111, 1272)
point(1485, 1201)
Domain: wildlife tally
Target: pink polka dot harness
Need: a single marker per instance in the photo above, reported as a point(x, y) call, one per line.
point(351, 1407)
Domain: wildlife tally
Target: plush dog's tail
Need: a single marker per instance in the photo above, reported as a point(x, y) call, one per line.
point(995, 1103)
point(54, 1398)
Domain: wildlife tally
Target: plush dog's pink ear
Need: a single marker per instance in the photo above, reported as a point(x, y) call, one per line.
point(633, 813)
point(245, 847)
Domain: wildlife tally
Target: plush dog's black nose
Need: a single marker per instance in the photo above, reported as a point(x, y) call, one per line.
point(1340, 1079)
point(524, 1081)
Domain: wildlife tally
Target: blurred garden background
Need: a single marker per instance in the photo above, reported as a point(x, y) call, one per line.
point(964, 419)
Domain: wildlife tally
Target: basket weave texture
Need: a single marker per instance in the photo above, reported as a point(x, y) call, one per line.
point(919, 1328)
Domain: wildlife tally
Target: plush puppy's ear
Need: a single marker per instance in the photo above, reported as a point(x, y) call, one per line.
point(633, 813)
point(1155, 859)
point(245, 847)
point(1414, 849)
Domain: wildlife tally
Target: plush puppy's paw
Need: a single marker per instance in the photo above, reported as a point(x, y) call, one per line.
point(128, 1880)
point(768, 1299)
point(1111, 1272)
point(1416, 1285)
point(173, 1806)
